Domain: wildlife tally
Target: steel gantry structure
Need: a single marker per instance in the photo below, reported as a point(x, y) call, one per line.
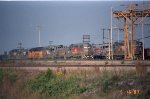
point(130, 17)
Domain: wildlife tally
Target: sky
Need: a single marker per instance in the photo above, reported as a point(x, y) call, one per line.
point(63, 22)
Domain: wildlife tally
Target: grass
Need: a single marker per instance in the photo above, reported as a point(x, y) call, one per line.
point(49, 84)
point(21, 84)
point(8, 74)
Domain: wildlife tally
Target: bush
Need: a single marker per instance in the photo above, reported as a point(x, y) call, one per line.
point(47, 83)
point(46, 76)
point(106, 62)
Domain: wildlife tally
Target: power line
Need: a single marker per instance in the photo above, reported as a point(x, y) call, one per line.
point(144, 37)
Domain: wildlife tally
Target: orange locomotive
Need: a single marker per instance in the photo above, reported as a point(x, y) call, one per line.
point(38, 52)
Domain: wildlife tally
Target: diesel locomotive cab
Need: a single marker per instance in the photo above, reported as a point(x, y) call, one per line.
point(82, 50)
point(36, 53)
point(75, 50)
point(87, 51)
point(19, 53)
point(118, 50)
point(61, 52)
point(97, 51)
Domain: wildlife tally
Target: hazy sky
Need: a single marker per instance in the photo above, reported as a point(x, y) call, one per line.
point(61, 22)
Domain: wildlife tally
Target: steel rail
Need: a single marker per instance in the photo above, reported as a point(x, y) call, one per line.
point(113, 65)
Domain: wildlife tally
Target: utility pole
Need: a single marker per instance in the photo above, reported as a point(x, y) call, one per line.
point(39, 32)
point(111, 28)
point(109, 31)
point(103, 37)
point(143, 31)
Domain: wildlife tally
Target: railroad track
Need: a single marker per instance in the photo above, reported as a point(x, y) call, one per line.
point(77, 67)
point(68, 60)
point(71, 63)
point(132, 65)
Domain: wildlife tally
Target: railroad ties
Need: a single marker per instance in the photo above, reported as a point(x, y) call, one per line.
point(76, 65)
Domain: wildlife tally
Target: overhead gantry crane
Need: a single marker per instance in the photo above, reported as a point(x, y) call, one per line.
point(133, 15)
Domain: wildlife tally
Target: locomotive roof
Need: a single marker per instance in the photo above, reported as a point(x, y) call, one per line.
point(36, 49)
point(78, 44)
point(52, 46)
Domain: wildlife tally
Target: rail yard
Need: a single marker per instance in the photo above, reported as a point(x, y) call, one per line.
point(130, 48)
point(114, 69)
point(121, 53)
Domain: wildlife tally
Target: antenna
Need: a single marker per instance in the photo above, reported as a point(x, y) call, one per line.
point(20, 45)
point(50, 43)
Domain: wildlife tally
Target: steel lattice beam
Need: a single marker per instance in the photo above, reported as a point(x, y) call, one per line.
point(130, 17)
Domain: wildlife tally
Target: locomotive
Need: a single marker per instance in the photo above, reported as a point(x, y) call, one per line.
point(118, 50)
point(100, 51)
point(82, 50)
point(38, 52)
point(60, 51)
point(49, 52)
point(19, 53)
point(77, 51)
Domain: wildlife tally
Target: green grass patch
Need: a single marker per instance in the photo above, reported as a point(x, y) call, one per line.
point(48, 83)
point(9, 74)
